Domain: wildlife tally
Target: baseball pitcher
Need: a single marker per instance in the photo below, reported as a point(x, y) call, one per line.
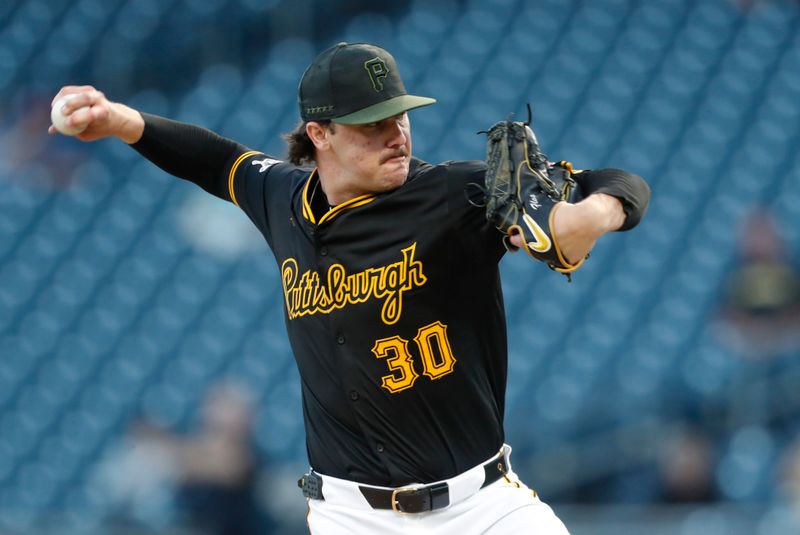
point(391, 287)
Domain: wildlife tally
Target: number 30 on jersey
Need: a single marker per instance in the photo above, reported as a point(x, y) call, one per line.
point(434, 350)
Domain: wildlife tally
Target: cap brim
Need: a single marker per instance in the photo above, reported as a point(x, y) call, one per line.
point(384, 110)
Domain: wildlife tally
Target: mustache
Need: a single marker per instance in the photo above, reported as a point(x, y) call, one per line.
point(395, 154)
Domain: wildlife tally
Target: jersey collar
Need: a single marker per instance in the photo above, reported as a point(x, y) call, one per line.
point(308, 192)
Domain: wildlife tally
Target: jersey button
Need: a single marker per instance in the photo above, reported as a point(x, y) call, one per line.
point(340, 339)
point(354, 395)
point(379, 447)
point(323, 251)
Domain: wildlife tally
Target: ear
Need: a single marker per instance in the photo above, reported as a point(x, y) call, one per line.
point(318, 134)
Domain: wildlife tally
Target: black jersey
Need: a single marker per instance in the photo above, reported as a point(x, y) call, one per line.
point(395, 316)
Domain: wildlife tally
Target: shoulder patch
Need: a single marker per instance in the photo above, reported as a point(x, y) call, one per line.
point(265, 164)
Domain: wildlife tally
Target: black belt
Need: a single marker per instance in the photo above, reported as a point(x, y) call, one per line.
point(411, 499)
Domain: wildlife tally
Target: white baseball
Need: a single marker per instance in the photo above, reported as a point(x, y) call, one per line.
point(60, 120)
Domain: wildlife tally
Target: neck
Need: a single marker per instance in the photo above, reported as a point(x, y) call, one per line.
point(336, 187)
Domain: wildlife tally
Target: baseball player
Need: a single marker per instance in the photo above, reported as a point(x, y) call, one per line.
point(391, 293)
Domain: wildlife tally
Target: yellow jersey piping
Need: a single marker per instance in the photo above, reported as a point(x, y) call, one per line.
point(232, 173)
point(307, 213)
point(352, 203)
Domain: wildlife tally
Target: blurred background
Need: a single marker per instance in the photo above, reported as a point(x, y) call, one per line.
point(146, 382)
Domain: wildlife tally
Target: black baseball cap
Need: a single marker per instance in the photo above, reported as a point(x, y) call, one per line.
point(354, 83)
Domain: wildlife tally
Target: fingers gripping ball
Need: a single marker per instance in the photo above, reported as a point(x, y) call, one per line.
point(59, 120)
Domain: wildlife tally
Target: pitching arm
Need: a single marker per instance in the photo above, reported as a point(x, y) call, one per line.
point(183, 150)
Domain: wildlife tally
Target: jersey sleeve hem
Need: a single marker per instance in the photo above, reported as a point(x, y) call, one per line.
point(232, 174)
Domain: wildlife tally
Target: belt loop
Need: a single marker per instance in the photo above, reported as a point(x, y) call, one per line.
point(440, 496)
point(495, 469)
point(502, 463)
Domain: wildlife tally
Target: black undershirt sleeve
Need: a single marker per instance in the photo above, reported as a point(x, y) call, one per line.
point(631, 189)
point(189, 152)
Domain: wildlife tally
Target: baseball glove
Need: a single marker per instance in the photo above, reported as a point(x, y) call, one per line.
point(523, 190)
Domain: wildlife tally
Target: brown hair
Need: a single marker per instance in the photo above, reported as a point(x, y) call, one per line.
point(301, 148)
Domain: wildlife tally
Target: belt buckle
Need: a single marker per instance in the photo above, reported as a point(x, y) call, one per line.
point(395, 492)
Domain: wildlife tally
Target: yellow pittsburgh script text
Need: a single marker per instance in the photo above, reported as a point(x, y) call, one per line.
point(306, 294)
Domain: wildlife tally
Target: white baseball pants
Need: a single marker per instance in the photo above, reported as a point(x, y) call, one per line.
point(505, 507)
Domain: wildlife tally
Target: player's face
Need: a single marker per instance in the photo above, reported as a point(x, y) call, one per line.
point(374, 156)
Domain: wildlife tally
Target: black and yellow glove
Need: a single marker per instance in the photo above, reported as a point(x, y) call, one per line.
point(523, 191)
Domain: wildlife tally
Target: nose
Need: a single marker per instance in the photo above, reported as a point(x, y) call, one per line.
point(396, 134)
